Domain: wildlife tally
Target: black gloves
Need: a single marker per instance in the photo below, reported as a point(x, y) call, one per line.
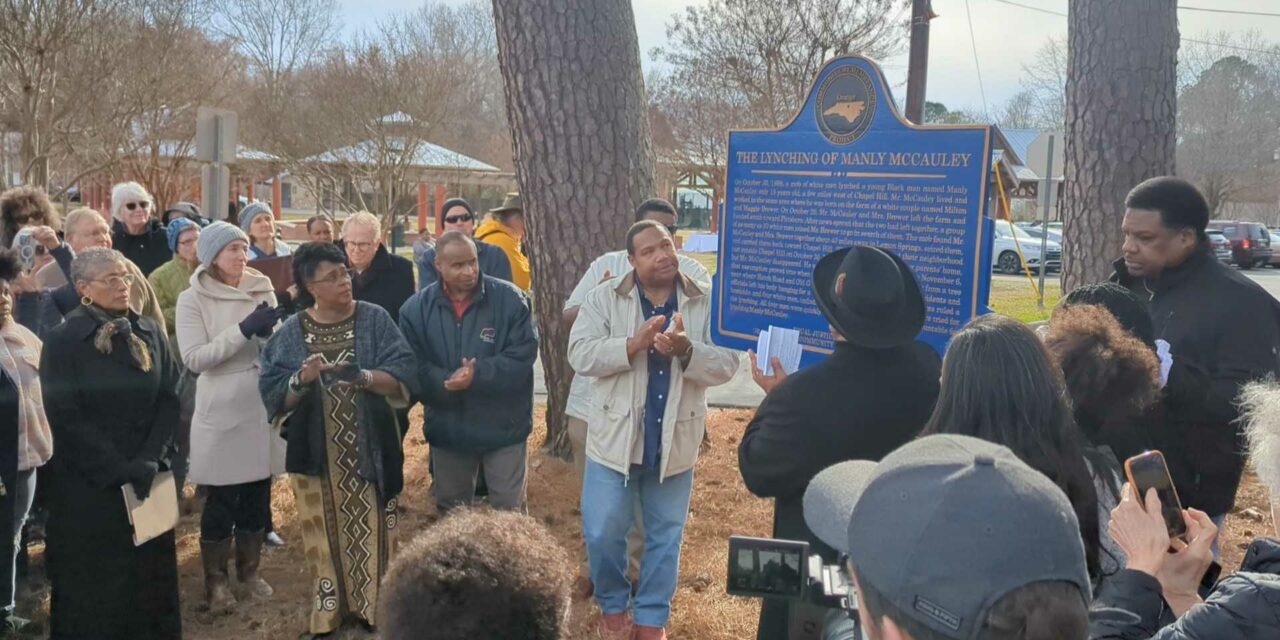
point(141, 473)
point(260, 322)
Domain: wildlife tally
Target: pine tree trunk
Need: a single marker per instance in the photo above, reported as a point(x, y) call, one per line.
point(1121, 122)
point(576, 107)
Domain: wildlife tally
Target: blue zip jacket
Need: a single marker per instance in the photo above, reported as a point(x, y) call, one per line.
point(496, 330)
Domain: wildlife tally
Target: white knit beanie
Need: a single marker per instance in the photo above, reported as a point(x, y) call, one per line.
point(126, 192)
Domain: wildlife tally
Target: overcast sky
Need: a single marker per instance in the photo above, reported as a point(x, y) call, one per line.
point(1006, 36)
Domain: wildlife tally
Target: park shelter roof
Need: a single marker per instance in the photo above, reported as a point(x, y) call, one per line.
point(1020, 143)
point(426, 155)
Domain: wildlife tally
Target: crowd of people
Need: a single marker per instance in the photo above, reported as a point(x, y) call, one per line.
point(976, 494)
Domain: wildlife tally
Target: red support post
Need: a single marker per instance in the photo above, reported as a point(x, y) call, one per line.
point(439, 209)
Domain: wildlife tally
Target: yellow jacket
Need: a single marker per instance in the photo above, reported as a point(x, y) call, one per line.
point(501, 236)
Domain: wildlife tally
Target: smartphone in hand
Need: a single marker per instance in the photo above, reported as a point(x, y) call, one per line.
point(1148, 470)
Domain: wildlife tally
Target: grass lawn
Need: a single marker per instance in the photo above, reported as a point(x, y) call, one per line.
point(1016, 298)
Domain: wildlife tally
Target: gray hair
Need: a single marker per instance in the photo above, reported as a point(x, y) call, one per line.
point(78, 216)
point(91, 262)
point(1260, 415)
point(362, 219)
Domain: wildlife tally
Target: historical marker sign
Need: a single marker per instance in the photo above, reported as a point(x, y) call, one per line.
point(849, 170)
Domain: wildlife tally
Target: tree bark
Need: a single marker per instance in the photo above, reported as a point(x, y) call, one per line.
point(1121, 122)
point(584, 160)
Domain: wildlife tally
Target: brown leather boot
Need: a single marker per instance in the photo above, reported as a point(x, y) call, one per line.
point(217, 587)
point(248, 557)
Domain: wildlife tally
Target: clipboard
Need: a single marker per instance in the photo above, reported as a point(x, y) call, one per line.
point(279, 270)
point(155, 516)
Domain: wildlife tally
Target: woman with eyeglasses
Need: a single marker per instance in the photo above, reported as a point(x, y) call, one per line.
point(258, 221)
point(459, 216)
point(22, 207)
point(223, 320)
point(136, 232)
point(109, 392)
point(334, 372)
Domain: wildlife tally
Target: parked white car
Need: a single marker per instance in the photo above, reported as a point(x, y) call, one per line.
point(1004, 252)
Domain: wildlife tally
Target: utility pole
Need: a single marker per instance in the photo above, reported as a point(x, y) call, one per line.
point(918, 61)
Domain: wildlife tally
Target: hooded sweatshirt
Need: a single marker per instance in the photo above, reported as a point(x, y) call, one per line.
point(501, 236)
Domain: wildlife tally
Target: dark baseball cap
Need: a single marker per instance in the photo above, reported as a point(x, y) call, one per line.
point(946, 526)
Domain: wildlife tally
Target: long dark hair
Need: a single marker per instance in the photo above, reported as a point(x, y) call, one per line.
point(999, 384)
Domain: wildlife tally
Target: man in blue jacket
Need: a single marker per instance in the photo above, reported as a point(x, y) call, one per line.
point(475, 344)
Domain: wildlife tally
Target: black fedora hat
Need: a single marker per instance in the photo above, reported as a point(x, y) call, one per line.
point(880, 305)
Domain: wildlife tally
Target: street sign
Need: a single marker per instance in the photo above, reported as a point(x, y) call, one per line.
point(217, 131)
point(1038, 154)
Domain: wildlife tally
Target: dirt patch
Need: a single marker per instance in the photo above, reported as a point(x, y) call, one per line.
point(721, 506)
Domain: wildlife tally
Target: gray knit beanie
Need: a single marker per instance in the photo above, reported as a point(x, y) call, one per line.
point(251, 211)
point(214, 238)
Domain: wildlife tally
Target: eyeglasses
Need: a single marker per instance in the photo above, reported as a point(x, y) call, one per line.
point(358, 245)
point(466, 217)
point(25, 217)
point(144, 205)
point(116, 280)
point(336, 278)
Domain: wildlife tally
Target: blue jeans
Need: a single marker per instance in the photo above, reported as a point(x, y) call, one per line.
point(607, 511)
point(21, 494)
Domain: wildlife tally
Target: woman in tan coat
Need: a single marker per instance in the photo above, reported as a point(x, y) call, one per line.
point(223, 320)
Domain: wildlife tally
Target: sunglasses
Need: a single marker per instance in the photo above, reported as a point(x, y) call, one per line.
point(466, 217)
point(144, 205)
point(672, 229)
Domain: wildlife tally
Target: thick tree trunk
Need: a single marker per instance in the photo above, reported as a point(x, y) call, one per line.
point(576, 107)
point(1121, 122)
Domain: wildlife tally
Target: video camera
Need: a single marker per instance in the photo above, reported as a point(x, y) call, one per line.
point(784, 569)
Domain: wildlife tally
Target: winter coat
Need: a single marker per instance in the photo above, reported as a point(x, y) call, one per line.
point(148, 250)
point(1224, 331)
point(1242, 606)
point(501, 236)
point(858, 404)
point(388, 282)
point(231, 438)
point(281, 247)
point(496, 330)
point(169, 281)
point(493, 262)
point(380, 346)
point(597, 348)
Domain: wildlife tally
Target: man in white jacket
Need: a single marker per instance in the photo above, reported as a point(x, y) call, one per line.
point(578, 409)
point(645, 336)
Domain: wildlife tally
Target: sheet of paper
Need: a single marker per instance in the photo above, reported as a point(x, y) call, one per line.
point(762, 352)
point(785, 344)
point(780, 343)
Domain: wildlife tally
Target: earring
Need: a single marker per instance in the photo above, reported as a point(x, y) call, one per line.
point(85, 300)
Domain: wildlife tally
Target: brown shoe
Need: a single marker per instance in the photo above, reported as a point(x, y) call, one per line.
point(583, 588)
point(614, 626)
point(248, 558)
point(215, 556)
point(649, 633)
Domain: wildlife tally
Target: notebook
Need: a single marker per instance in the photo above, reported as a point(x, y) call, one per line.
point(278, 269)
point(156, 515)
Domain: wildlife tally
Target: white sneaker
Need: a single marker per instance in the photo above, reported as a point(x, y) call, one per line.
point(274, 540)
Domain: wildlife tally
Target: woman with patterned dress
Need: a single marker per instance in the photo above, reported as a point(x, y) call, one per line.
point(331, 374)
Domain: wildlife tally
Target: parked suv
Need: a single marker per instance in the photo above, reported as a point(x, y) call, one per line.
point(1221, 246)
point(1250, 242)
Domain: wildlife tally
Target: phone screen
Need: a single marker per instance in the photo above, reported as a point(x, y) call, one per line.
point(1149, 471)
point(342, 372)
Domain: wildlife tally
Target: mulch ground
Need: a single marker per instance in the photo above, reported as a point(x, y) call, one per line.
point(721, 506)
